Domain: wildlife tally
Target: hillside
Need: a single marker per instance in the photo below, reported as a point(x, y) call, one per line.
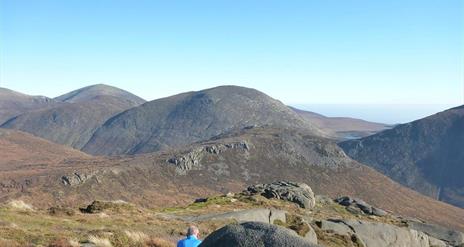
point(21, 150)
point(13, 103)
point(425, 155)
point(225, 163)
point(189, 117)
point(342, 128)
point(72, 124)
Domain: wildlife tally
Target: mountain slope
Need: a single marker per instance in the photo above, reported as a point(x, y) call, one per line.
point(72, 124)
point(190, 117)
point(13, 103)
point(425, 155)
point(225, 163)
point(90, 92)
point(342, 128)
point(19, 150)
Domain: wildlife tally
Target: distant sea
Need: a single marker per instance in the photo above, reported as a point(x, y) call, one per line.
point(381, 113)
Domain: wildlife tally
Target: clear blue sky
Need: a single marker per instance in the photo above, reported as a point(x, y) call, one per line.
point(326, 51)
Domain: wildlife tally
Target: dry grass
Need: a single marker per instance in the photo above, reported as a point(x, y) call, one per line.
point(137, 237)
point(20, 205)
point(100, 242)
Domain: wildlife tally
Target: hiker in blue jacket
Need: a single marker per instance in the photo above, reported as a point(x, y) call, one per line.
point(192, 238)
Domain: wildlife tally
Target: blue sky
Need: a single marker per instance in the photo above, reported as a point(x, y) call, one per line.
point(301, 52)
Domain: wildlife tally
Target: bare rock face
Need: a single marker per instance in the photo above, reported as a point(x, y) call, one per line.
point(374, 234)
point(76, 178)
point(451, 237)
point(255, 234)
point(298, 193)
point(192, 159)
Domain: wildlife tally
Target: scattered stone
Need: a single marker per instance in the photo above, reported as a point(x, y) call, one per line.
point(255, 234)
point(357, 206)
point(298, 193)
point(199, 200)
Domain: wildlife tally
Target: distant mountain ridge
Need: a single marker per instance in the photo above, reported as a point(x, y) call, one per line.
point(14, 103)
point(425, 155)
point(74, 121)
point(190, 117)
point(342, 128)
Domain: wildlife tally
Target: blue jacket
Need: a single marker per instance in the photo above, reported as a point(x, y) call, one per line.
point(190, 241)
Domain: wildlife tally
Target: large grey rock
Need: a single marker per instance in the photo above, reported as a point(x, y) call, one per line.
point(298, 193)
point(374, 234)
point(263, 215)
point(452, 237)
point(335, 227)
point(255, 234)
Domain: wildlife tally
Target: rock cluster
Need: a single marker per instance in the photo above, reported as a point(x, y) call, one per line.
point(255, 234)
point(76, 178)
point(355, 205)
point(192, 159)
point(298, 193)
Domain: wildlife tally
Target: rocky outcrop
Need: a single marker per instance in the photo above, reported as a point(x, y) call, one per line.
point(375, 234)
point(355, 205)
point(449, 236)
point(255, 234)
point(76, 178)
point(192, 159)
point(298, 193)
point(100, 206)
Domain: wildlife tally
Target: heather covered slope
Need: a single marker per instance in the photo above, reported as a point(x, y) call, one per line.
point(342, 128)
point(189, 117)
point(13, 103)
point(22, 151)
point(425, 155)
point(225, 163)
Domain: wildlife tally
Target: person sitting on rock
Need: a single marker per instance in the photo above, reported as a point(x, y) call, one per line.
point(192, 238)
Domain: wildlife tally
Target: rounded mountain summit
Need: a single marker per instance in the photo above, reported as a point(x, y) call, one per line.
point(190, 117)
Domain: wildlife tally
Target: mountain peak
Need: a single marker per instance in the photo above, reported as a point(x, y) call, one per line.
point(190, 117)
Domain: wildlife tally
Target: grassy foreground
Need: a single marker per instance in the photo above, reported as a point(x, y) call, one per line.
point(119, 223)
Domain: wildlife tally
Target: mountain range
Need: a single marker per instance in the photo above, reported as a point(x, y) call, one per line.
point(219, 140)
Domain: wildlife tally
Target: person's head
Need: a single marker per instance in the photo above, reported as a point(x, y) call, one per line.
point(193, 230)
